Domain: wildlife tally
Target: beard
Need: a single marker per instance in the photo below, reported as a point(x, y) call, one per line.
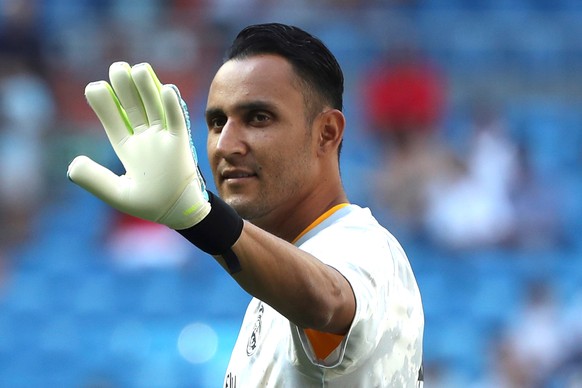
point(267, 206)
point(249, 209)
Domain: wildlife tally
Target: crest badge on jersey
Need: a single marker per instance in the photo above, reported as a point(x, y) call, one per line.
point(256, 333)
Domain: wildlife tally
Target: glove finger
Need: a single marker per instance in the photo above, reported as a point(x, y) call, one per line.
point(96, 179)
point(126, 91)
point(102, 99)
point(148, 86)
point(178, 125)
point(175, 116)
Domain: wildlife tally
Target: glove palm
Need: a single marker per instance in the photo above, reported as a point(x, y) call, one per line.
point(148, 127)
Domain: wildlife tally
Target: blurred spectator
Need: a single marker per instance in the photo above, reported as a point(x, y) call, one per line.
point(27, 112)
point(405, 176)
point(568, 373)
point(439, 374)
point(135, 244)
point(20, 42)
point(535, 336)
point(537, 208)
point(404, 95)
point(403, 101)
point(538, 348)
point(473, 208)
point(502, 369)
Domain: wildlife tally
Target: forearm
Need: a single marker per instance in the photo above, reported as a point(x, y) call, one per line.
point(148, 126)
point(302, 288)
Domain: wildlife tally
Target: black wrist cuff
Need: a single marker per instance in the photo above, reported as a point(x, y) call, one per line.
point(217, 232)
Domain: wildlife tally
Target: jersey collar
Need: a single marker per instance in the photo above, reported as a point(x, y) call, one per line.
point(319, 220)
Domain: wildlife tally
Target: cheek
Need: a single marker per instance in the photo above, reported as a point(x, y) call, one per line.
point(212, 160)
point(211, 151)
point(291, 163)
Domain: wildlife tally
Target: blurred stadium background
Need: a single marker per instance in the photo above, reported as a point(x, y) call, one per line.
point(481, 180)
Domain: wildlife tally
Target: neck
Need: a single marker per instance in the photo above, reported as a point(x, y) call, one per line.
point(287, 223)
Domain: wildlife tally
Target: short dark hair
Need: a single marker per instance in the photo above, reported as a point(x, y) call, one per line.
point(310, 58)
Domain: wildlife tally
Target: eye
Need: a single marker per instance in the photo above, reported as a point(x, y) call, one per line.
point(259, 119)
point(216, 122)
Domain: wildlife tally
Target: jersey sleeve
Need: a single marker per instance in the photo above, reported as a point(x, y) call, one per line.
point(385, 290)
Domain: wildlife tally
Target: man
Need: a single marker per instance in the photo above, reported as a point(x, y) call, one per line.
point(336, 302)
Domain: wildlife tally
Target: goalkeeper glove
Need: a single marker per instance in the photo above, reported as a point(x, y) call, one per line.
point(148, 126)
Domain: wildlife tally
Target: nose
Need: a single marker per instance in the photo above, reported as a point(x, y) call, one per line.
point(230, 140)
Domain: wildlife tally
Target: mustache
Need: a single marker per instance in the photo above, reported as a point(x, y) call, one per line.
point(228, 169)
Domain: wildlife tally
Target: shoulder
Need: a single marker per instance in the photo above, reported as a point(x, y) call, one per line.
point(353, 240)
point(351, 220)
point(350, 229)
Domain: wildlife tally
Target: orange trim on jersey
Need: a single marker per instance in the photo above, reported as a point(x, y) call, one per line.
point(322, 343)
point(319, 220)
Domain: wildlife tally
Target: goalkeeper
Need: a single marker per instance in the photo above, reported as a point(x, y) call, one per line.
point(335, 300)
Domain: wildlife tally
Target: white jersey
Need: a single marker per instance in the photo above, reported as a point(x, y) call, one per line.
point(383, 347)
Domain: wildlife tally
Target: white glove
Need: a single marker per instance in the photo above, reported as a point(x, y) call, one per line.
point(148, 126)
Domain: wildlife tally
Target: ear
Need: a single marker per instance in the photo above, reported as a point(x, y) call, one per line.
point(330, 127)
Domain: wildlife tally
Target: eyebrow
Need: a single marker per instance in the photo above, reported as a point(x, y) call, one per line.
point(242, 107)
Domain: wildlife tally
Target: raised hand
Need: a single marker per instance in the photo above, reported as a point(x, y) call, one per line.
point(148, 126)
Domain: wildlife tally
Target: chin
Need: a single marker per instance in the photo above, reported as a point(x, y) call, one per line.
point(246, 208)
point(240, 204)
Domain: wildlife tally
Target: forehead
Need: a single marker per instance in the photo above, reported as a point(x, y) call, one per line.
point(262, 77)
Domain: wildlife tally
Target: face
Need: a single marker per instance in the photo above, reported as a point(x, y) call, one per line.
point(261, 150)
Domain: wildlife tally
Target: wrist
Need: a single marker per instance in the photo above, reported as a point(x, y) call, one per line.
point(217, 232)
point(183, 214)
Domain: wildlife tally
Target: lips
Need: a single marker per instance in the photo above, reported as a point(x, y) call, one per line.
point(236, 174)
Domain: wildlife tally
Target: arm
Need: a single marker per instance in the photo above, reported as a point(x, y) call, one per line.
point(308, 292)
point(148, 128)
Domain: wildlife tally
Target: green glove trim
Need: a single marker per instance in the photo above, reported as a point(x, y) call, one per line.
point(120, 109)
